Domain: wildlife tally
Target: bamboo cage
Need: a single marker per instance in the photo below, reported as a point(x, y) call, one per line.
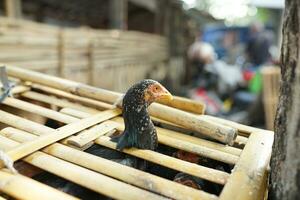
point(87, 117)
point(85, 55)
point(271, 81)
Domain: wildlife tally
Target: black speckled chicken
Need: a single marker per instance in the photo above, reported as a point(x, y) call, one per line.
point(139, 130)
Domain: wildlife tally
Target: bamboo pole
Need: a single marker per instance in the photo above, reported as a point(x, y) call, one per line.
point(249, 174)
point(185, 104)
point(21, 187)
point(112, 169)
point(219, 132)
point(38, 110)
point(243, 129)
point(58, 102)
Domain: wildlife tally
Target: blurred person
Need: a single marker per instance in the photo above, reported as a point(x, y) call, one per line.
point(199, 54)
point(257, 48)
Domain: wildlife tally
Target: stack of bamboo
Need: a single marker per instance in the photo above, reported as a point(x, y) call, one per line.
point(81, 54)
point(88, 117)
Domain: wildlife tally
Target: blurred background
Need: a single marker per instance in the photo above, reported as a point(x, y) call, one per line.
point(224, 53)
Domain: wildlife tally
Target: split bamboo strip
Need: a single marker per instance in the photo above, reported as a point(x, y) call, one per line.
point(249, 174)
point(170, 162)
point(90, 135)
point(199, 171)
point(21, 187)
point(59, 134)
point(112, 169)
point(219, 132)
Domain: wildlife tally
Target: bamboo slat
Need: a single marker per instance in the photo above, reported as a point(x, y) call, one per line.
point(90, 135)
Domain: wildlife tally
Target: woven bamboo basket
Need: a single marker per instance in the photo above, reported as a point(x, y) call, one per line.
point(271, 81)
point(87, 117)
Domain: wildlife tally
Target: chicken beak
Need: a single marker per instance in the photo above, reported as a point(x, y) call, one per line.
point(165, 95)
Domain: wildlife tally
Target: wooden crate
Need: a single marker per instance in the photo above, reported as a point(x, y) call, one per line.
point(271, 81)
point(87, 114)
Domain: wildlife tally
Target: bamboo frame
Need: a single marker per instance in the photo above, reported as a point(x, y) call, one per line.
point(110, 168)
point(199, 124)
point(202, 172)
point(82, 176)
point(84, 126)
point(224, 153)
